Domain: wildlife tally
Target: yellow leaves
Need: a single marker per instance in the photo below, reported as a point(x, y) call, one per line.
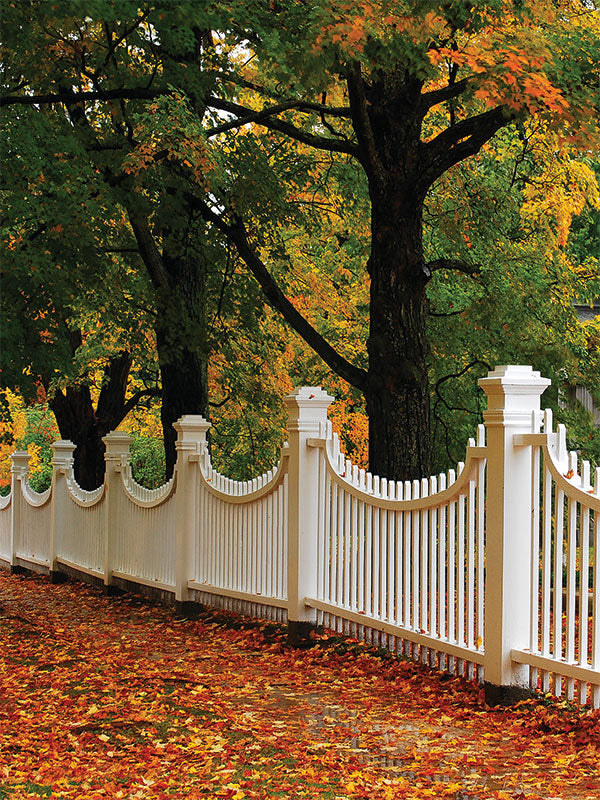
point(560, 191)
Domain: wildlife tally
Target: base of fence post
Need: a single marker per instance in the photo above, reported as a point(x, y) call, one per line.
point(17, 569)
point(189, 609)
point(110, 590)
point(506, 695)
point(56, 576)
point(299, 633)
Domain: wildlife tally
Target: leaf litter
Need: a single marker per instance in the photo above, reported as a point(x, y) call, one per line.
point(111, 698)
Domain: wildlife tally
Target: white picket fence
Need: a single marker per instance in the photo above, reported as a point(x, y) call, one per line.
point(490, 571)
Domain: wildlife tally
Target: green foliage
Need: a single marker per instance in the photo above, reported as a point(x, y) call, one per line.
point(583, 436)
point(148, 461)
point(40, 431)
point(73, 189)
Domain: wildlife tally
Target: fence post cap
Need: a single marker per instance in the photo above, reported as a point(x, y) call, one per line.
point(62, 453)
point(308, 397)
point(117, 446)
point(515, 375)
point(191, 431)
point(20, 463)
point(513, 387)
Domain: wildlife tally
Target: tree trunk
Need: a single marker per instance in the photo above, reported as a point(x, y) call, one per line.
point(181, 342)
point(184, 379)
point(397, 394)
point(78, 421)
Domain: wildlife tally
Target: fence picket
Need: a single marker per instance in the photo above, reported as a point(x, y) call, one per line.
point(402, 564)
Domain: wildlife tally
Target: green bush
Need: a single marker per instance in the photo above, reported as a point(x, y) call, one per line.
point(41, 431)
point(148, 461)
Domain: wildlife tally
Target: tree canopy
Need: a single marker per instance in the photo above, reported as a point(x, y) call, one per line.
point(399, 177)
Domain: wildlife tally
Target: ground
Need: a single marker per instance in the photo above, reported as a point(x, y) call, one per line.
point(105, 697)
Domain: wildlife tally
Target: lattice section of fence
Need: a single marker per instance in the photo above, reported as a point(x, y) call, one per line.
point(564, 654)
point(406, 558)
point(240, 547)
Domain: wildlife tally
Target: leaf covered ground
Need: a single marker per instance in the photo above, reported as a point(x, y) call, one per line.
point(111, 698)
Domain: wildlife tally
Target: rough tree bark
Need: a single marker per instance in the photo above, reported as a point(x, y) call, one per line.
point(387, 117)
point(386, 113)
point(85, 425)
point(179, 279)
point(181, 343)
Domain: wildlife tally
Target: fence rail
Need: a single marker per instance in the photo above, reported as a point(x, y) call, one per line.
point(490, 571)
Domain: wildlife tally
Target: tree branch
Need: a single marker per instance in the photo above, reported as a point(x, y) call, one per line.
point(367, 150)
point(453, 264)
point(459, 374)
point(114, 43)
point(313, 140)
point(256, 116)
point(149, 251)
point(237, 234)
point(68, 96)
point(460, 141)
point(137, 396)
point(454, 89)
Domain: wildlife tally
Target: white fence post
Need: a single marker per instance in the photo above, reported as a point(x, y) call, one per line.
point(513, 394)
point(307, 412)
point(191, 440)
point(19, 472)
point(116, 458)
point(62, 470)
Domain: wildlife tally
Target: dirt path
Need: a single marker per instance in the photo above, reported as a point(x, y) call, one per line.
point(109, 698)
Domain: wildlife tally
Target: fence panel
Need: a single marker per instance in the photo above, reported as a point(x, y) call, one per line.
point(144, 545)
point(240, 553)
point(564, 653)
point(402, 564)
point(33, 543)
point(80, 535)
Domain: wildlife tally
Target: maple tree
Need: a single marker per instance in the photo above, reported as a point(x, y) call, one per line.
point(73, 314)
point(109, 697)
point(414, 89)
point(234, 118)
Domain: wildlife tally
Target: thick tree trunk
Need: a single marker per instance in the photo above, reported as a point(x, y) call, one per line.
point(387, 116)
point(78, 421)
point(181, 342)
point(397, 394)
point(184, 379)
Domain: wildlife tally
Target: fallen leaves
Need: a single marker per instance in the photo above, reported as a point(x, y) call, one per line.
point(105, 698)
